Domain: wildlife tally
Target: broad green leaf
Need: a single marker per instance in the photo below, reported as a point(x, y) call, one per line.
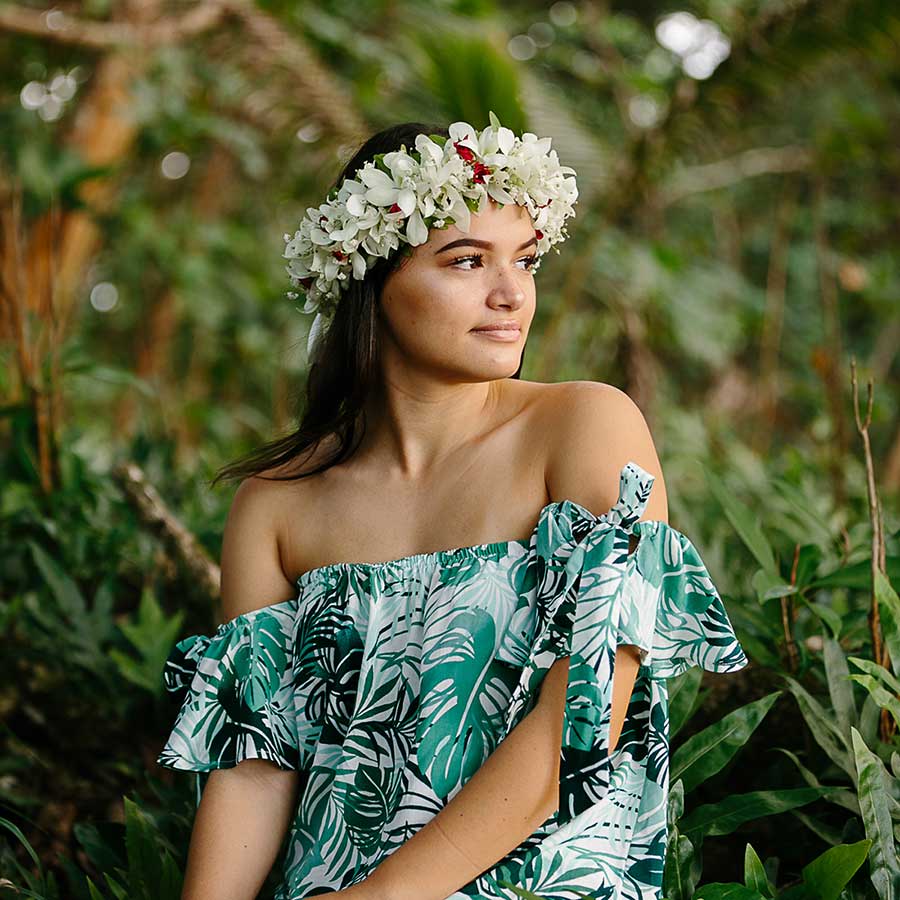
point(839, 686)
point(708, 751)
point(171, 880)
point(883, 698)
point(827, 874)
point(143, 856)
point(745, 521)
point(895, 764)
point(770, 586)
point(878, 671)
point(675, 801)
point(810, 526)
point(80, 629)
point(724, 817)
point(798, 892)
point(763, 652)
point(889, 607)
point(20, 837)
point(131, 670)
point(755, 873)
point(683, 864)
point(884, 867)
point(856, 576)
point(683, 694)
point(869, 717)
point(119, 891)
point(101, 842)
point(723, 891)
point(679, 880)
point(841, 796)
point(823, 728)
point(828, 616)
point(153, 634)
point(65, 590)
point(828, 834)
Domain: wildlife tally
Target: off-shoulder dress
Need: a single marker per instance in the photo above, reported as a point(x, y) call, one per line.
point(388, 684)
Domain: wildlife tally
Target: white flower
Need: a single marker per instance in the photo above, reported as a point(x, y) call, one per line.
point(410, 191)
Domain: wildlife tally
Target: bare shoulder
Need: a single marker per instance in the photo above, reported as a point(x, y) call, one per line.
point(596, 429)
point(252, 572)
point(251, 569)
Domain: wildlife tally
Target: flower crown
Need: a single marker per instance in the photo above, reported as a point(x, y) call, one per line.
point(398, 196)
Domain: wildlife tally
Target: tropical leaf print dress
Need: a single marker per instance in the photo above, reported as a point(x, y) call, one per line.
point(387, 685)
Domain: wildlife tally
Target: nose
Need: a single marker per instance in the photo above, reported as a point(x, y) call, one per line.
point(507, 288)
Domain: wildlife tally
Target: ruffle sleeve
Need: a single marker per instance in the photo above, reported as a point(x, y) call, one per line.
point(244, 695)
point(593, 595)
point(672, 607)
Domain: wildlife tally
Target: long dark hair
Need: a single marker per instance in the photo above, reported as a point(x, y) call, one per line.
point(344, 365)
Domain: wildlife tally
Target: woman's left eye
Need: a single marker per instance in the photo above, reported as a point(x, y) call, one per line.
point(529, 260)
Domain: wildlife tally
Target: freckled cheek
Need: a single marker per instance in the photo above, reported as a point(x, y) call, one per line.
point(435, 331)
point(442, 312)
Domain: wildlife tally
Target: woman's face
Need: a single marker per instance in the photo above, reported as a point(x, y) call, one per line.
point(455, 283)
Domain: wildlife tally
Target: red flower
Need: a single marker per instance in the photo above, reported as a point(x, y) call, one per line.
point(395, 208)
point(337, 254)
point(538, 233)
point(465, 152)
point(479, 170)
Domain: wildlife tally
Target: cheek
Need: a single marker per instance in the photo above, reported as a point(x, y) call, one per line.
point(435, 324)
point(434, 302)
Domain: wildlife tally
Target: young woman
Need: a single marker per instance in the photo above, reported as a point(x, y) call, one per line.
point(442, 667)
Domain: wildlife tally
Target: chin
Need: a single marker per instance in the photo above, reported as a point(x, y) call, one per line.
point(498, 369)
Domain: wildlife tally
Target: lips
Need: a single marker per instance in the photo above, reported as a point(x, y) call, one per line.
point(500, 326)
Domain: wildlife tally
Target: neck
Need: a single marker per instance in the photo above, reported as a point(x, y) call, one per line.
point(412, 429)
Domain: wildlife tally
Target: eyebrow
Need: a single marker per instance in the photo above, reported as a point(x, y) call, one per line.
point(475, 242)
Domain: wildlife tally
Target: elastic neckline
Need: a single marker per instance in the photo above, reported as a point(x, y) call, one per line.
point(482, 550)
point(489, 550)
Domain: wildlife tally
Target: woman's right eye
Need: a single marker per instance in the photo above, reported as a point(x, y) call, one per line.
point(462, 259)
point(529, 260)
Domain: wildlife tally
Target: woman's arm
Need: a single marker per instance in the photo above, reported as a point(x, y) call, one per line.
point(243, 816)
point(245, 811)
point(503, 803)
